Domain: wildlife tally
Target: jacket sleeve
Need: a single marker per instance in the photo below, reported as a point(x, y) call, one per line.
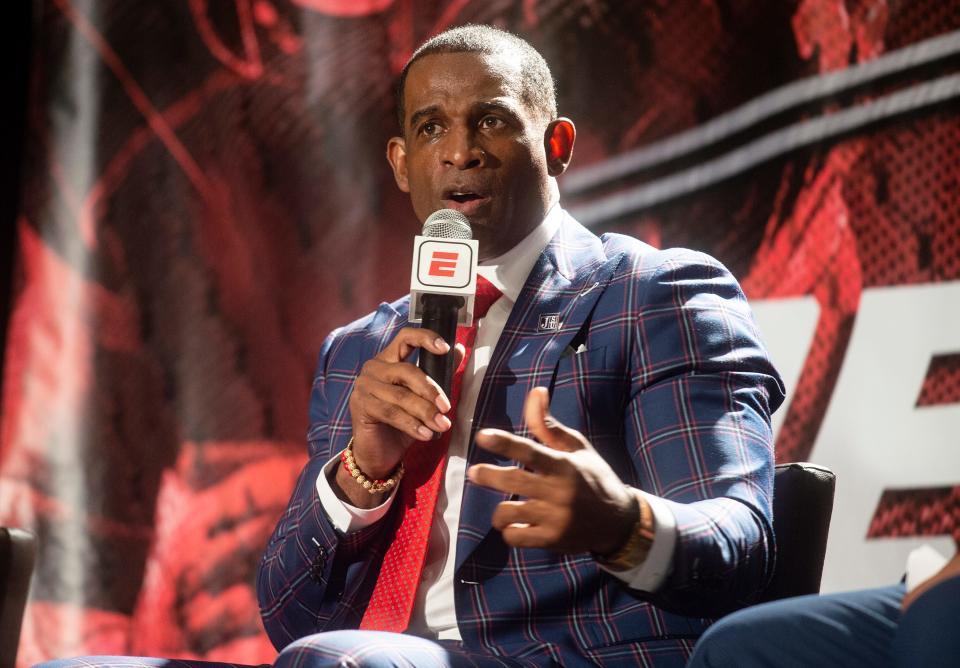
point(698, 421)
point(311, 577)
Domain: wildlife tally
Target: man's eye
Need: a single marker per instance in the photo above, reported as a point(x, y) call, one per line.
point(491, 123)
point(429, 129)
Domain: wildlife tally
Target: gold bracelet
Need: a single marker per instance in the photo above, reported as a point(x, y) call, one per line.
point(635, 550)
point(374, 486)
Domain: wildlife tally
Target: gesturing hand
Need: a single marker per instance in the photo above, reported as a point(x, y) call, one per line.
point(574, 501)
point(392, 405)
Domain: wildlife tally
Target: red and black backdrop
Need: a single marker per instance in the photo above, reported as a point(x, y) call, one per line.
point(202, 195)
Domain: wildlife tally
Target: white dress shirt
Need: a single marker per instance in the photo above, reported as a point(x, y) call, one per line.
point(434, 613)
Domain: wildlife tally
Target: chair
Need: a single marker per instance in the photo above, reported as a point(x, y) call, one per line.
point(802, 506)
point(17, 555)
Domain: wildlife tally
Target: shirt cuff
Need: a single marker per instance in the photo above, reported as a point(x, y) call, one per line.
point(344, 516)
point(649, 575)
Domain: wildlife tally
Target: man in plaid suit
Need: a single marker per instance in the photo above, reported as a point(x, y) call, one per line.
point(609, 479)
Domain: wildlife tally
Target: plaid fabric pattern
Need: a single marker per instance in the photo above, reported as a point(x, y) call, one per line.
point(655, 357)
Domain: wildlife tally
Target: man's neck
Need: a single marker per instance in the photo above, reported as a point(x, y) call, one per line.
point(509, 271)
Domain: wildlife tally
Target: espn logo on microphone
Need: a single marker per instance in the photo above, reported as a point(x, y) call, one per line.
point(444, 264)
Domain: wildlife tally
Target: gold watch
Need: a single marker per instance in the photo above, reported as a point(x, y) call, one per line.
point(637, 546)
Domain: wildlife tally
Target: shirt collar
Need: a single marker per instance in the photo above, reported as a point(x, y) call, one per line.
point(509, 271)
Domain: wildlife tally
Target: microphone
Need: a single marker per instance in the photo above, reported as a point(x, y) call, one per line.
point(442, 286)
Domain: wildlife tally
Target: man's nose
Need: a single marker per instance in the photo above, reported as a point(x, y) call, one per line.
point(461, 150)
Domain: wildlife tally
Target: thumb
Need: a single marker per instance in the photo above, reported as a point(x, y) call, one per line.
point(459, 352)
point(547, 429)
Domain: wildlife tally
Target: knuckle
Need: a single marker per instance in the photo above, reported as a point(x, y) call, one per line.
point(407, 420)
point(372, 368)
point(410, 335)
point(397, 393)
point(358, 396)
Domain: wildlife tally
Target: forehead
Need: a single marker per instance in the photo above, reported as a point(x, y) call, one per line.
point(461, 79)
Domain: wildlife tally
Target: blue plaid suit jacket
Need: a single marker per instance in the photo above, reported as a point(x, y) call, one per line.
point(672, 385)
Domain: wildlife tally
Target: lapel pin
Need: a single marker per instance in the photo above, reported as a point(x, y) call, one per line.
point(548, 322)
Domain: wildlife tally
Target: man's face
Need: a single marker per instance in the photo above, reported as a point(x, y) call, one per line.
point(472, 144)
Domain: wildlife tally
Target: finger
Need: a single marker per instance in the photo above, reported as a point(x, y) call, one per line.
point(510, 480)
point(460, 352)
point(518, 535)
point(523, 450)
point(547, 429)
point(409, 339)
point(519, 513)
point(410, 403)
point(391, 414)
point(410, 377)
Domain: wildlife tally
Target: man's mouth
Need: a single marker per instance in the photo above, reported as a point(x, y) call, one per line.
point(468, 202)
point(462, 196)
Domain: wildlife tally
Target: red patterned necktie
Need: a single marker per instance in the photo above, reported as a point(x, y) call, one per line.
point(391, 603)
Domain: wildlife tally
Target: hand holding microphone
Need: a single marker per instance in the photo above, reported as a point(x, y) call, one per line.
point(394, 403)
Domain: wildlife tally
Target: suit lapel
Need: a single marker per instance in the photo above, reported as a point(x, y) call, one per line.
point(558, 297)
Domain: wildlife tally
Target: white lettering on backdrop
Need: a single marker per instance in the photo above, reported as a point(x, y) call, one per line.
point(873, 436)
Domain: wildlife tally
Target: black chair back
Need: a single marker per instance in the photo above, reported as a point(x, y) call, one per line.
point(802, 506)
point(17, 556)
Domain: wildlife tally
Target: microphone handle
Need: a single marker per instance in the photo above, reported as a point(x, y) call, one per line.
point(440, 315)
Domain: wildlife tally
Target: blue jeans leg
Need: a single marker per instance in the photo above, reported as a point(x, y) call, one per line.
point(380, 649)
point(853, 629)
point(929, 632)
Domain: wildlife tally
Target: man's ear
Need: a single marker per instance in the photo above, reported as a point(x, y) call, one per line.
point(558, 143)
point(397, 157)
